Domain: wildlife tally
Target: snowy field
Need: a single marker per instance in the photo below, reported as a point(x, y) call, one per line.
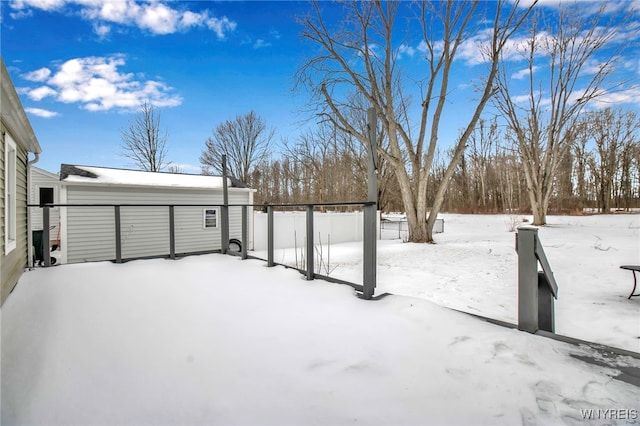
point(474, 268)
point(212, 339)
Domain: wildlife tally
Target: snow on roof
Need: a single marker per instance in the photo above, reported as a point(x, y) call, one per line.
point(110, 176)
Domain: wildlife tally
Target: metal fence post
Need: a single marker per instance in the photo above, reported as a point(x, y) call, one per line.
point(546, 313)
point(46, 253)
point(270, 236)
point(172, 233)
point(310, 266)
point(225, 208)
point(527, 280)
point(118, 235)
point(245, 241)
point(369, 273)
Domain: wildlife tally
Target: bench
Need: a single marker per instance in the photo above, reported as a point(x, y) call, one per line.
point(633, 269)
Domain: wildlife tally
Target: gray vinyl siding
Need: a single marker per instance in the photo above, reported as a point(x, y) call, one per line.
point(90, 234)
point(44, 180)
point(14, 263)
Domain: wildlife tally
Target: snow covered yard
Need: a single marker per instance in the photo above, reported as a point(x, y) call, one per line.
point(474, 268)
point(217, 340)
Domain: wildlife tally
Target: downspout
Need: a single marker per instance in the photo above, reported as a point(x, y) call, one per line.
point(29, 233)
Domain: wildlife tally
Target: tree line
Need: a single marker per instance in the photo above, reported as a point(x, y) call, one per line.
point(600, 172)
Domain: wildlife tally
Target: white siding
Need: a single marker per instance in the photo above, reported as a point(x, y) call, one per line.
point(145, 230)
point(43, 179)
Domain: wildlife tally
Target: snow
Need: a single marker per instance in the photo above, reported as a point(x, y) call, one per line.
point(474, 268)
point(108, 176)
point(216, 340)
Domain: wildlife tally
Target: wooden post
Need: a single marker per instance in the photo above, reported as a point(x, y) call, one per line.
point(172, 233)
point(118, 235)
point(310, 266)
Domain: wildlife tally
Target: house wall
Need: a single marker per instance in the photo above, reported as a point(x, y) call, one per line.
point(89, 232)
point(13, 264)
point(42, 179)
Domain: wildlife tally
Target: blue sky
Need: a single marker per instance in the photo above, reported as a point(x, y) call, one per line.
point(82, 68)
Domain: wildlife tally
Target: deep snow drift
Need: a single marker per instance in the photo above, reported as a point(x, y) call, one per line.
point(217, 340)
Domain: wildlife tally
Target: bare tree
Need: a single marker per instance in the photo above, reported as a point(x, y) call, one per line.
point(362, 52)
point(562, 80)
point(143, 141)
point(613, 132)
point(245, 141)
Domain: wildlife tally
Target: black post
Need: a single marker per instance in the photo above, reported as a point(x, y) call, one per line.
point(245, 225)
point(225, 208)
point(45, 235)
point(172, 233)
point(118, 235)
point(310, 273)
point(270, 262)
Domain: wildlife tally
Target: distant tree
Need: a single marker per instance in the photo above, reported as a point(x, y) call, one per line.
point(559, 54)
point(174, 168)
point(245, 141)
point(614, 132)
point(143, 141)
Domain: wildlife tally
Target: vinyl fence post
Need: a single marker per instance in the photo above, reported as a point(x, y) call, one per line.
point(527, 280)
point(245, 241)
point(118, 235)
point(310, 253)
point(270, 236)
point(546, 313)
point(172, 233)
point(369, 273)
point(225, 208)
point(46, 253)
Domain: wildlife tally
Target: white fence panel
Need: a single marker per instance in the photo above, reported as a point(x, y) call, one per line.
point(290, 228)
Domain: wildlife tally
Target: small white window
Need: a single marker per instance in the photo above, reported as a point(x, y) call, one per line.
point(210, 218)
point(10, 206)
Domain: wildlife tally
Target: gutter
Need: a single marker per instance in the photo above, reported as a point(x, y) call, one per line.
point(30, 163)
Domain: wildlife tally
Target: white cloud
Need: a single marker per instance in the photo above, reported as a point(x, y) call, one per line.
point(40, 93)
point(261, 43)
point(159, 19)
point(41, 112)
point(405, 50)
point(102, 30)
point(613, 99)
point(97, 84)
point(526, 72)
point(155, 16)
point(38, 75)
point(48, 5)
point(221, 26)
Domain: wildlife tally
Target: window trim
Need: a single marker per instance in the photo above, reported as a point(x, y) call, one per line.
point(10, 194)
point(204, 217)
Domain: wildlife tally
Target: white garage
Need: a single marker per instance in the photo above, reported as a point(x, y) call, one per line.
point(90, 221)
